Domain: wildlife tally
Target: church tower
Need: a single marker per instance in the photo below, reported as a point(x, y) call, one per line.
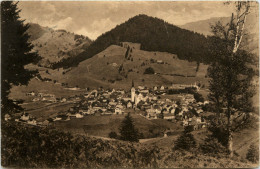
point(132, 92)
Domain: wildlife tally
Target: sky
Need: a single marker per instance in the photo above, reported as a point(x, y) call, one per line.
point(91, 18)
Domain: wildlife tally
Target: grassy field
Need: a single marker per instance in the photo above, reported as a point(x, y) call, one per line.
point(49, 111)
point(103, 125)
point(19, 92)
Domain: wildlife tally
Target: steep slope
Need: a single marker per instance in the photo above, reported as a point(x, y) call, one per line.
point(153, 34)
point(54, 45)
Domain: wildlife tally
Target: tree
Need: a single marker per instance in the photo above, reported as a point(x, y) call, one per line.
point(186, 141)
point(198, 97)
point(16, 53)
point(127, 130)
point(230, 74)
point(253, 154)
point(127, 52)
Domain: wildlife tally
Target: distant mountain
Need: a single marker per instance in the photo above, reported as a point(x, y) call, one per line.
point(153, 34)
point(55, 45)
point(250, 42)
point(203, 26)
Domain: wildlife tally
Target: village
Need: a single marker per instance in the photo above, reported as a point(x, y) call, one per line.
point(150, 103)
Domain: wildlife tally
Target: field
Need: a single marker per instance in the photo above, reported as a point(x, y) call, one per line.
point(19, 92)
point(49, 111)
point(102, 125)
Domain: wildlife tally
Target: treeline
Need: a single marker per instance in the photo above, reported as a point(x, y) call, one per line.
point(154, 35)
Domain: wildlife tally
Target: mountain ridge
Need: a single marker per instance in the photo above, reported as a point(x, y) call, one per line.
point(249, 43)
point(54, 45)
point(154, 34)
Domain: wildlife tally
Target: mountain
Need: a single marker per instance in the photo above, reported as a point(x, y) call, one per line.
point(55, 45)
point(153, 34)
point(250, 42)
point(203, 26)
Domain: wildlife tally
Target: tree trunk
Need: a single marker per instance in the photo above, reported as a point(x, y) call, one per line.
point(230, 136)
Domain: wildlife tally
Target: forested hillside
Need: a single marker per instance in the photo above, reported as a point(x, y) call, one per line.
point(154, 35)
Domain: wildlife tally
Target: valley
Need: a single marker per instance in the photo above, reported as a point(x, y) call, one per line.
point(143, 94)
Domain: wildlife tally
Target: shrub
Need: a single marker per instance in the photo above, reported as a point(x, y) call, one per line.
point(253, 154)
point(149, 70)
point(113, 134)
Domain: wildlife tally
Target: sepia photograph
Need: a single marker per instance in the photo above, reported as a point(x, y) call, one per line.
point(129, 84)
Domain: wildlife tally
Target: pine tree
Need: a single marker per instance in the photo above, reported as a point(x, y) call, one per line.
point(127, 130)
point(16, 53)
point(186, 141)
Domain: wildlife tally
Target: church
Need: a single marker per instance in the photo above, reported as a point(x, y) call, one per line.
point(137, 96)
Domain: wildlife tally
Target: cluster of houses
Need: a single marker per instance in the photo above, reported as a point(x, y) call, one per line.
point(41, 97)
point(51, 98)
point(26, 118)
point(116, 102)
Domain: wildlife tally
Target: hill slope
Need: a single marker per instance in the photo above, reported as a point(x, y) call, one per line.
point(54, 45)
point(154, 35)
point(110, 68)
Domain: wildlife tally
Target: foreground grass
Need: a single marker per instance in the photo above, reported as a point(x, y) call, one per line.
point(34, 147)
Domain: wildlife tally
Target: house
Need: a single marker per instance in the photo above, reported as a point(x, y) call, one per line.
point(206, 102)
point(199, 111)
point(159, 61)
point(32, 122)
point(129, 105)
point(172, 110)
point(198, 119)
point(63, 99)
point(141, 87)
point(144, 91)
point(185, 123)
point(79, 115)
point(57, 118)
point(118, 110)
point(169, 116)
point(25, 117)
point(7, 117)
point(35, 99)
point(84, 111)
point(32, 93)
point(162, 88)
